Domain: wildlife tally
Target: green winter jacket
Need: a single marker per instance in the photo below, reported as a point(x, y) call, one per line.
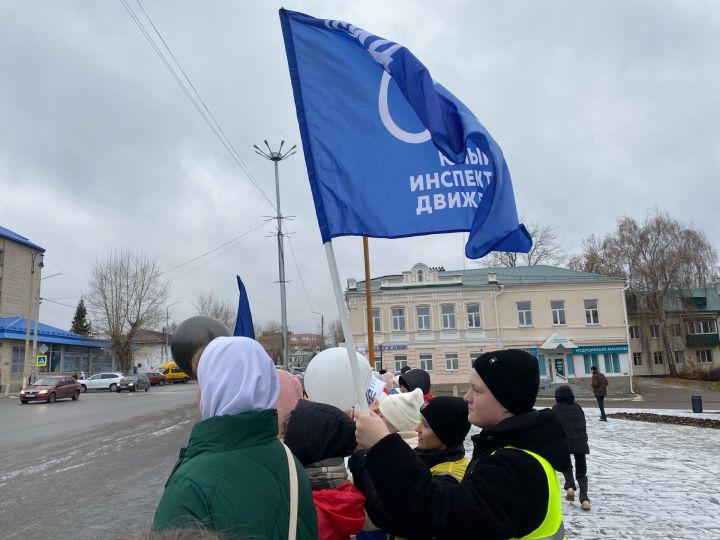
point(233, 478)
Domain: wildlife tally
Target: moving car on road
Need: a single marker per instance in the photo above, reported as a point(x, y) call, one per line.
point(51, 388)
point(155, 378)
point(133, 382)
point(174, 374)
point(101, 381)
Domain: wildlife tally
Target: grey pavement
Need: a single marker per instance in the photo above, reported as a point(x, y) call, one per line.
point(93, 468)
point(96, 468)
point(653, 393)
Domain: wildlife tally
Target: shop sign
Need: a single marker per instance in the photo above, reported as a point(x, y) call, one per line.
point(596, 349)
point(390, 347)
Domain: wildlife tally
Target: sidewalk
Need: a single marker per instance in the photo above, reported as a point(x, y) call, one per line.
point(654, 393)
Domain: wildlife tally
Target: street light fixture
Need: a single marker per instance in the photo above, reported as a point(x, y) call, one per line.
point(277, 157)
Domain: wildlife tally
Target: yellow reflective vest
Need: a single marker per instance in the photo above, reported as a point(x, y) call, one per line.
point(455, 468)
point(552, 527)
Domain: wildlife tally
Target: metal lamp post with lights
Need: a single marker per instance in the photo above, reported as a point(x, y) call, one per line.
point(277, 157)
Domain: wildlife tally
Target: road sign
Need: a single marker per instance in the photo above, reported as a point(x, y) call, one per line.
point(43, 349)
point(41, 361)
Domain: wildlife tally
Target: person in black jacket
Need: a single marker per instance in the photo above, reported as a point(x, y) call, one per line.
point(572, 419)
point(509, 489)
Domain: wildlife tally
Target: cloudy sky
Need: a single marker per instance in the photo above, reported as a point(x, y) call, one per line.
point(602, 109)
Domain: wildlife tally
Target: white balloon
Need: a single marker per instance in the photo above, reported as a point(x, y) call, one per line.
point(328, 378)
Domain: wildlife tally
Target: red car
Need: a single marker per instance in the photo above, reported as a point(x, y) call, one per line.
point(50, 389)
point(155, 378)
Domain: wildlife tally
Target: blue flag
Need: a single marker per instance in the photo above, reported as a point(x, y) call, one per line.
point(389, 152)
point(243, 323)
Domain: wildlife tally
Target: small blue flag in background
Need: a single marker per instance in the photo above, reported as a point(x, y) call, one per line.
point(389, 152)
point(243, 323)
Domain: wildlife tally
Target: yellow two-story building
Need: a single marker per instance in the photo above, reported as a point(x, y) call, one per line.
point(441, 320)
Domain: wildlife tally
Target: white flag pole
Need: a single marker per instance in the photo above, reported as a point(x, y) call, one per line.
point(345, 321)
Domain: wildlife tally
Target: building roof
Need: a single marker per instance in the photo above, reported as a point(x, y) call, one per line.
point(14, 328)
point(519, 275)
point(15, 237)
point(144, 336)
point(695, 300)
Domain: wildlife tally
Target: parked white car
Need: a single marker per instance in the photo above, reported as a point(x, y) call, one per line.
point(101, 381)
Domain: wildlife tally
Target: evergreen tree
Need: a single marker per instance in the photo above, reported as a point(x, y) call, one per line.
point(80, 324)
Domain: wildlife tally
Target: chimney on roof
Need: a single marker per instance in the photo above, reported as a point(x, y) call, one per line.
point(492, 278)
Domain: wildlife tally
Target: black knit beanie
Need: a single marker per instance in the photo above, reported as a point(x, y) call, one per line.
point(448, 418)
point(513, 376)
point(415, 378)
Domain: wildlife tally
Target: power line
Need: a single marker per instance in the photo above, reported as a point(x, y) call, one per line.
point(56, 265)
point(243, 235)
point(58, 303)
point(302, 281)
point(206, 114)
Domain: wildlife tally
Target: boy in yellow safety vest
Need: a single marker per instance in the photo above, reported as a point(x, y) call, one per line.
point(441, 432)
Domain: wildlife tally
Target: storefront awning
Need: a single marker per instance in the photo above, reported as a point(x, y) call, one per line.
point(558, 341)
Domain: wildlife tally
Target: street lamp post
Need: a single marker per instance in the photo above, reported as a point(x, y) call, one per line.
point(277, 157)
point(27, 372)
point(37, 316)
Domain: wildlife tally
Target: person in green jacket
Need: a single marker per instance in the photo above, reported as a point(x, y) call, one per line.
point(233, 476)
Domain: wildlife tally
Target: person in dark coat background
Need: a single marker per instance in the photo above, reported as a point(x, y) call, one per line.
point(599, 384)
point(572, 419)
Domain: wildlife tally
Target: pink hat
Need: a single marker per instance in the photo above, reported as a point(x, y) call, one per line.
point(290, 393)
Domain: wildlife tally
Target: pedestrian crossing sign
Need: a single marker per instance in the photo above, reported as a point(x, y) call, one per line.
point(41, 360)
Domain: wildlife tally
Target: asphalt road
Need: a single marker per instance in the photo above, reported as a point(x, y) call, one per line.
point(92, 468)
point(96, 467)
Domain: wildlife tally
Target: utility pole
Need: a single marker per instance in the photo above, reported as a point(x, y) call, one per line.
point(322, 329)
point(37, 319)
point(277, 157)
point(29, 362)
point(165, 355)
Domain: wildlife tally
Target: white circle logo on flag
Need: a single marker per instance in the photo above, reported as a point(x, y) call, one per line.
point(389, 123)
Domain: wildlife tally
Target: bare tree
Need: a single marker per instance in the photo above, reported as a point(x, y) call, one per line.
point(270, 337)
point(545, 250)
point(661, 259)
point(221, 310)
point(335, 333)
point(127, 293)
point(591, 259)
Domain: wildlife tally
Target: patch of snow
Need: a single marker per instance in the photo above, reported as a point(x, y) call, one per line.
point(647, 480)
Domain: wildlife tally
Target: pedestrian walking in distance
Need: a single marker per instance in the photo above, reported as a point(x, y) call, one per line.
point(572, 419)
point(599, 385)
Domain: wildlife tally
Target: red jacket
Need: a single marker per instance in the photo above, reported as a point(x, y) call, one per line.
point(340, 512)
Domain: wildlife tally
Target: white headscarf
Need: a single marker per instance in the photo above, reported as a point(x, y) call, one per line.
point(236, 375)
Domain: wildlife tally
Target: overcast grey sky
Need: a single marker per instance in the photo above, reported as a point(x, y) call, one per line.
point(602, 109)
